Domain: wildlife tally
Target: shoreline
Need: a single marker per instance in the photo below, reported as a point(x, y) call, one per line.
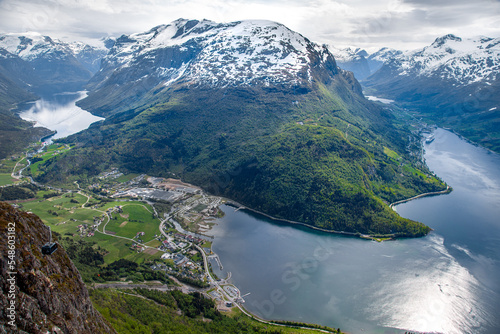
point(470, 141)
point(360, 235)
point(435, 193)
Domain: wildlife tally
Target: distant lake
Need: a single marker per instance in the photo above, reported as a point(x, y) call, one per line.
point(60, 113)
point(447, 282)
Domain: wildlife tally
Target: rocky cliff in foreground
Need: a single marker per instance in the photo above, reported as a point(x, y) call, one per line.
point(47, 291)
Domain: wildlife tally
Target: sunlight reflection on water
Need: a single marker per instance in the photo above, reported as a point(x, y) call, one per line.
point(429, 293)
point(446, 282)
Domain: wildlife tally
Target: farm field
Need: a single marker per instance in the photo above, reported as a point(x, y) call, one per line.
point(66, 216)
point(6, 167)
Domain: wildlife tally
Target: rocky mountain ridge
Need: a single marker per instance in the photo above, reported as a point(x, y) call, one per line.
point(219, 54)
point(206, 54)
point(35, 62)
point(359, 61)
point(47, 290)
point(451, 58)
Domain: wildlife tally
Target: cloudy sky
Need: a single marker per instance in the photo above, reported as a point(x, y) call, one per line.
point(403, 24)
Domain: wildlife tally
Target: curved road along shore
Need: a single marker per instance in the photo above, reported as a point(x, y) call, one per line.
point(446, 191)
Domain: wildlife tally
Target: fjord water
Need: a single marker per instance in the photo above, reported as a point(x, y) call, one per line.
point(59, 112)
point(446, 282)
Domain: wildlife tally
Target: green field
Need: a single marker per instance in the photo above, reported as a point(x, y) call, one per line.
point(64, 216)
point(50, 152)
point(6, 167)
point(135, 218)
point(390, 153)
point(6, 179)
point(120, 249)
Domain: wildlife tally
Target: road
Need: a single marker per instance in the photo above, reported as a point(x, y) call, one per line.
point(447, 190)
point(19, 174)
point(212, 281)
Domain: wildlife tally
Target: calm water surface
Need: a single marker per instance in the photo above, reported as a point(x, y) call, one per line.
point(59, 112)
point(447, 282)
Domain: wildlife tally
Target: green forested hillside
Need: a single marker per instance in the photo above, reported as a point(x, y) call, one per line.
point(318, 156)
point(150, 311)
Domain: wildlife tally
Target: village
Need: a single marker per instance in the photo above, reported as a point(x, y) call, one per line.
point(186, 214)
point(139, 218)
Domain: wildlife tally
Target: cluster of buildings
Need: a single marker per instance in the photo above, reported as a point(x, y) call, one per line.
point(178, 241)
point(86, 230)
point(189, 238)
point(138, 248)
point(149, 193)
point(113, 174)
point(139, 236)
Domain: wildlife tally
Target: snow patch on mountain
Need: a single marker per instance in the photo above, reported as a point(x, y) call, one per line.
point(377, 59)
point(218, 54)
point(359, 61)
point(31, 45)
point(349, 54)
point(463, 61)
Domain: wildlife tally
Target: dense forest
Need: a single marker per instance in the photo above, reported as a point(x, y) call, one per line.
point(321, 157)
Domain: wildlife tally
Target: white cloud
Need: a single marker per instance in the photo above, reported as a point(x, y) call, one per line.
point(366, 23)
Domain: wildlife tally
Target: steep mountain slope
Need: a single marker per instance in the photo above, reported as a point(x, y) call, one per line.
point(15, 133)
point(48, 292)
point(17, 76)
point(90, 56)
point(377, 59)
point(253, 111)
point(31, 65)
point(454, 82)
point(361, 63)
point(49, 63)
point(353, 60)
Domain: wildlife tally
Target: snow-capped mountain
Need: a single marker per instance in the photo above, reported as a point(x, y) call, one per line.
point(463, 61)
point(250, 102)
point(31, 46)
point(352, 59)
point(380, 57)
point(360, 62)
point(215, 54)
point(38, 62)
point(204, 53)
point(90, 56)
point(454, 81)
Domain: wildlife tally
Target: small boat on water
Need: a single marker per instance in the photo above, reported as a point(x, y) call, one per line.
point(429, 140)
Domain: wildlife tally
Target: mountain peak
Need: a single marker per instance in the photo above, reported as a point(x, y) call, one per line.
point(461, 61)
point(443, 39)
point(31, 45)
point(454, 81)
point(217, 54)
